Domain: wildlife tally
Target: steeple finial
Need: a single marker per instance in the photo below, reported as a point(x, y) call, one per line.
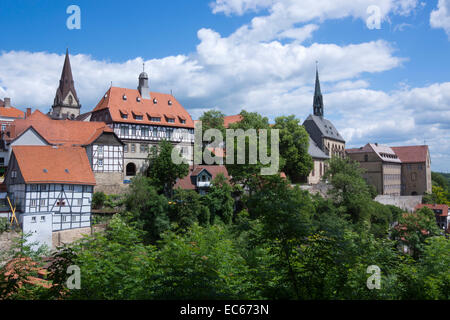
point(318, 99)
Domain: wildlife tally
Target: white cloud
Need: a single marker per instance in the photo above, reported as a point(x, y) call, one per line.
point(440, 18)
point(257, 69)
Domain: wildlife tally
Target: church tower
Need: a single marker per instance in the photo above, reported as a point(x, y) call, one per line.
point(318, 99)
point(66, 104)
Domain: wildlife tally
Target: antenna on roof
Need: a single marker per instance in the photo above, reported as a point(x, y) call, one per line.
point(171, 92)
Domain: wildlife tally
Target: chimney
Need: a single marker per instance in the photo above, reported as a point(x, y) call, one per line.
point(376, 143)
point(7, 102)
point(28, 113)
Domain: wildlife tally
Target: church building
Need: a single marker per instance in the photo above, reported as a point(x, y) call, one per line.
point(66, 104)
point(321, 130)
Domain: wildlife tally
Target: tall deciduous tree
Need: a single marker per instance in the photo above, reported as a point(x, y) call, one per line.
point(294, 142)
point(162, 171)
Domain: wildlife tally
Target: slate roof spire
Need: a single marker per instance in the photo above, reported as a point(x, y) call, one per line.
point(318, 99)
point(66, 82)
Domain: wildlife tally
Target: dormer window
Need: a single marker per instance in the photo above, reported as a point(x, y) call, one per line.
point(169, 102)
point(138, 99)
point(155, 101)
point(138, 117)
point(124, 97)
point(171, 120)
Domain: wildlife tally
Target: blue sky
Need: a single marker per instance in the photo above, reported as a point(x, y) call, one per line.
point(389, 85)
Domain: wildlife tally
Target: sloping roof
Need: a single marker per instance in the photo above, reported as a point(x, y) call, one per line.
point(227, 120)
point(442, 207)
point(412, 154)
point(189, 181)
point(326, 128)
point(66, 82)
point(10, 112)
point(84, 116)
point(158, 104)
point(48, 164)
point(65, 132)
point(314, 151)
point(385, 152)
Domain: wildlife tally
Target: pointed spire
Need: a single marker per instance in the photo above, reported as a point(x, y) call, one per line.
point(318, 99)
point(66, 82)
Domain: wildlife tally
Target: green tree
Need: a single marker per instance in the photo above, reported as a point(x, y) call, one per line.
point(98, 200)
point(162, 171)
point(220, 200)
point(148, 209)
point(213, 119)
point(248, 174)
point(294, 142)
point(186, 208)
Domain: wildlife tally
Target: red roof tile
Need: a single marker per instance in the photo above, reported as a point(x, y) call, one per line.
point(231, 119)
point(10, 112)
point(113, 100)
point(48, 164)
point(412, 154)
point(65, 132)
point(188, 183)
point(442, 207)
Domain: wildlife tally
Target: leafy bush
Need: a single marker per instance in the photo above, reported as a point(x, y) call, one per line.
point(98, 200)
point(3, 225)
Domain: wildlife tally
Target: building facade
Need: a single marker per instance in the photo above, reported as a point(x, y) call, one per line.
point(51, 188)
point(382, 167)
point(141, 119)
point(7, 115)
point(416, 169)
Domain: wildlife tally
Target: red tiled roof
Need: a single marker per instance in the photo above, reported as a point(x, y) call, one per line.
point(48, 164)
point(214, 170)
point(65, 132)
point(113, 100)
point(231, 119)
point(411, 154)
point(10, 112)
point(442, 207)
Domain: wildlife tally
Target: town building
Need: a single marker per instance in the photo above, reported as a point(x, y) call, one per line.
point(441, 213)
point(7, 115)
point(66, 104)
point(102, 146)
point(319, 165)
point(200, 177)
point(382, 167)
point(141, 119)
point(416, 169)
point(51, 188)
point(321, 130)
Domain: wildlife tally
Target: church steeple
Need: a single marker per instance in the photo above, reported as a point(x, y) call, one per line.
point(66, 103)
point(318, 99)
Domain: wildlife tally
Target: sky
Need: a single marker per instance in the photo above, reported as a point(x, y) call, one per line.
point(383, 64)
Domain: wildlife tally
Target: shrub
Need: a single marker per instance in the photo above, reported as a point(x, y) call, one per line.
point(98, 200)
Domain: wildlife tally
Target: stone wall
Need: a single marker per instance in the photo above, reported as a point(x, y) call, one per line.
point(407, 203)
point(109, 182)
point(68, 236)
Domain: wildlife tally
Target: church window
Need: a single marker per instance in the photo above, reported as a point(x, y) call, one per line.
point(70, 100)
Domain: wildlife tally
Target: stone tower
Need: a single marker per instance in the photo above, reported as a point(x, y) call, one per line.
point(66, 104)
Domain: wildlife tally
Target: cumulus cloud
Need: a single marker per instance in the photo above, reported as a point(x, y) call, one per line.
point(440, 18)
point(264, 66)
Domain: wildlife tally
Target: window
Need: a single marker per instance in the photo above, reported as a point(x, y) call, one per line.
point(133, 147)
point(2, 161)
point(42, 202)
point(64, 218)
point(155, 132)
point(133, 130)
point(33, 203)
point(14, 174)
point(420, 167)
point(144, 147)
point(74, 218)
point(3, 127)
point(125, 148)
point(183, 121)
point(100, 149)
point(124, 116)
point(42, 218)
point(413, 176)
point(70, 187)
point(366, 157)
point(61, 203)
point(124, 130)
point(100, 162)
point(144, 131)
point(33, 219)
point(77, 202)
point(34, 187)
point(171, 120)
point(155, 119)
point(138, 117)
point(131, 169)
point(43, 187)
